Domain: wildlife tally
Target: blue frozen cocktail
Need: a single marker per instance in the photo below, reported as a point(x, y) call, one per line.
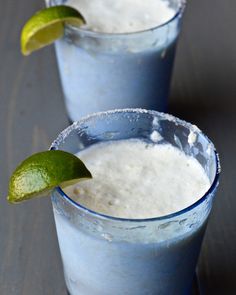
point(122, 57)
point(136, 228)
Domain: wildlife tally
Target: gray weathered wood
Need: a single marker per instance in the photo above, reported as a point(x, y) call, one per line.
point(32, 113)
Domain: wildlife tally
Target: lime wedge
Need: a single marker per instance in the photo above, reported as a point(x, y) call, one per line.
point(46, 26)
point(40, 173)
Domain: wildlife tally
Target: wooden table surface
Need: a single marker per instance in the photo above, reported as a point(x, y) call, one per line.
point(32, 113)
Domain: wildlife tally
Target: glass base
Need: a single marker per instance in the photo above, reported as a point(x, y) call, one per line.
point(195, 289)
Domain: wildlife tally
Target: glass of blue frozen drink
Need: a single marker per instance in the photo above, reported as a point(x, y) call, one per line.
point(136, 227)
point(123, 56)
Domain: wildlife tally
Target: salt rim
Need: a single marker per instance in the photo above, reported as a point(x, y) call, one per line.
point(165, 116)
point(168, 117)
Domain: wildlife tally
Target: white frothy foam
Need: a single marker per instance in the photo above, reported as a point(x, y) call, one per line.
point(133, 179)
point(123, 16)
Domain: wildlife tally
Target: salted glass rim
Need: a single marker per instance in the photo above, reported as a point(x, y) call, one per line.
point(179, 12)
point(191, 127)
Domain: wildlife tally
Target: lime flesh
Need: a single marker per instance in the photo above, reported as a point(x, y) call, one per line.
point(41, 172)
point(46, 26)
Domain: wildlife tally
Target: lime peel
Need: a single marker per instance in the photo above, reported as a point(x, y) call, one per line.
point(46, 26)
point(40, 173)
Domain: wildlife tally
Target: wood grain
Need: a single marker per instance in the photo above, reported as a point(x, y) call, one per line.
point(32, 113)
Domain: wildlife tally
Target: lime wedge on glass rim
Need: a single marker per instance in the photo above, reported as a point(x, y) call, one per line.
point(40, 173)
point(46, 26)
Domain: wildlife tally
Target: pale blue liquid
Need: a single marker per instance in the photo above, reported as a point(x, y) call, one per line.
point(96, 266)
point(95, 82)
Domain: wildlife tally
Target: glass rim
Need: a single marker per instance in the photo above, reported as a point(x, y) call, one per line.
point(191, 127)
point(179, 12)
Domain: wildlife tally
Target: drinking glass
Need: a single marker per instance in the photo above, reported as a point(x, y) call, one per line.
point(105, 255)
point(103, 71)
